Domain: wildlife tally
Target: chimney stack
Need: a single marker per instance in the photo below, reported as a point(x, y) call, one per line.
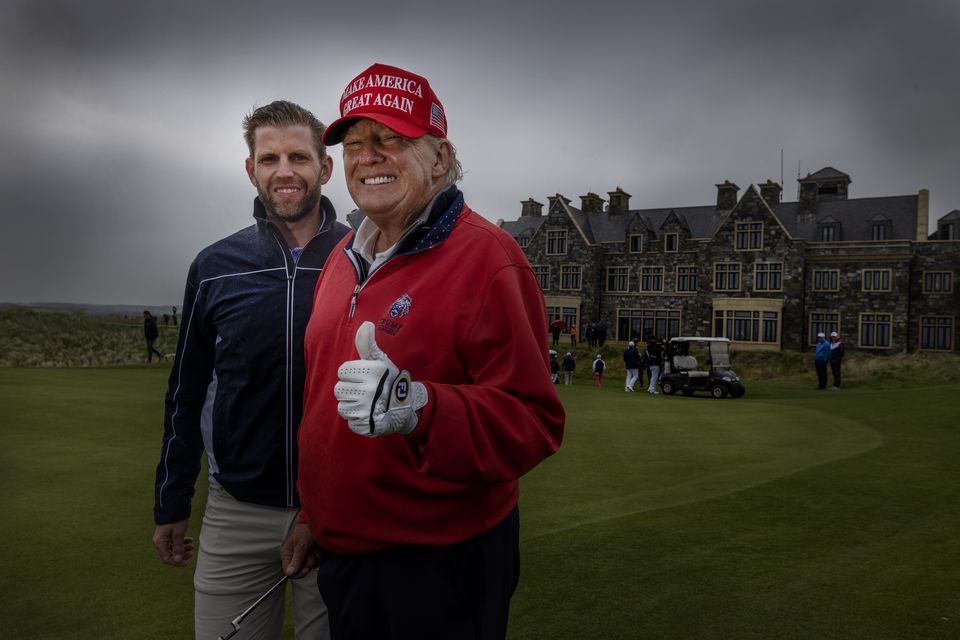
point(770, 191)
point(552, 200)
point(591, 203)
point(531, 208)
point(727, 196)
point(923, 214)
point(619, 201)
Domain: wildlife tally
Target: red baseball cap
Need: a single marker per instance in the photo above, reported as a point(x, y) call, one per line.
point(395, 98)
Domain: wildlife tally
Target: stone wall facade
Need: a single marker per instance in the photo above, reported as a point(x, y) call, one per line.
point(749, 279)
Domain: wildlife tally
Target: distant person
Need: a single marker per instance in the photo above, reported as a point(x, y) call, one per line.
point(836, 358)
point(644, 368)
point(569, 364)
point(236, 389)
point(174, 316)
point(151, 333)
point(600, 333)
point(654, 357)
point(556, 329)
point(631, 361)
point(166, 319)
point(573, 335)
point(821, 356)
point(554, 367)
point(598, 366)
point(591, 338)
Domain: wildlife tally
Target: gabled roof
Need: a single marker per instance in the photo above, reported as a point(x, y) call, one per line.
point(673, 215)
point(701, 221)
point(953, 215)
point(584, 222)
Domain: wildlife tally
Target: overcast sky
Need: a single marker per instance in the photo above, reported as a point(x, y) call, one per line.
point(123, 156)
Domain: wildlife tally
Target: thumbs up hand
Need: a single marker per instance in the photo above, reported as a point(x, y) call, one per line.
point(373, 395)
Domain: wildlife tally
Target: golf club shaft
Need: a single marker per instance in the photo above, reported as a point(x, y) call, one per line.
point(236, 621)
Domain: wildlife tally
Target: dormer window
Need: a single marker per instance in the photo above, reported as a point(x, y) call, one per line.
point(636, 243)
point(880, 228)
point(829, 231)
point(671, 242)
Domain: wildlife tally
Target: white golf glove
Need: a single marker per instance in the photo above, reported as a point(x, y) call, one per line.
point(374, 396)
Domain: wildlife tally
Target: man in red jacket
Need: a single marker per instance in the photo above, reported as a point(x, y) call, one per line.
point(412, 448)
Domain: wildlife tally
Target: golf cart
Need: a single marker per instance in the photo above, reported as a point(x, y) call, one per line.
point(682, 372)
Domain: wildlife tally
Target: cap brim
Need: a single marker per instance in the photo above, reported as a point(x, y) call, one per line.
point(338, 128)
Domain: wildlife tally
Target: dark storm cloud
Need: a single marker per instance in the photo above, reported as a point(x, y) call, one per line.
point(120, 120)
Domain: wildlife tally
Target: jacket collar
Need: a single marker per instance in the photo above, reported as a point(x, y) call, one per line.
point(443, 216)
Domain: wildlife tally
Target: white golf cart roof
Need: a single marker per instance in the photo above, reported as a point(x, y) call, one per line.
point(697, 339)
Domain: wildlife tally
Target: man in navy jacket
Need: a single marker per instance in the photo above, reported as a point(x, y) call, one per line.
point(236, 388)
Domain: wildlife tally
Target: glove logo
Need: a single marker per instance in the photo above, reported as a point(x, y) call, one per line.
point(401, 306)
point(401, 390)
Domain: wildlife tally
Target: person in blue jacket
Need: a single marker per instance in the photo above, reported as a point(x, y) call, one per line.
point(821, 357)
point(236, 389)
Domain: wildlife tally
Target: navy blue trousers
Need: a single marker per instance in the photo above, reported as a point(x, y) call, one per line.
point(459, 592)
point(821, 368)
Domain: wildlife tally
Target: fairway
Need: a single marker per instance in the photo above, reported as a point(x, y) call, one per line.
point(785, 514)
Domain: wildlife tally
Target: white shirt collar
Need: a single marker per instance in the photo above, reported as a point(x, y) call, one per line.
point(365, 239)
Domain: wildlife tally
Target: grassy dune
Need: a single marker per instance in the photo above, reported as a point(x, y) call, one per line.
point(35, 338)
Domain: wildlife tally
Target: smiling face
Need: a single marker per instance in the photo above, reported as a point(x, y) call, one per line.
point(287, 170)
point(391, 178)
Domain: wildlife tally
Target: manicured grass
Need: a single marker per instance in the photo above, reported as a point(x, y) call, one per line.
point(77, 458)
point(788, 513)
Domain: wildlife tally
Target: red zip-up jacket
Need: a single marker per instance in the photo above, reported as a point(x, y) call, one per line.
point(460, 308)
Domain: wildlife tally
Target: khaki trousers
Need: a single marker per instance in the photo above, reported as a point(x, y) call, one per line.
point(238, 560)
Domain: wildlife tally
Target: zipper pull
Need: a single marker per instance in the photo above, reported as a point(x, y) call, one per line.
point(353, 301)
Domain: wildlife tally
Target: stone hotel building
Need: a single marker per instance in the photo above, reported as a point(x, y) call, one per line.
point(766, 274)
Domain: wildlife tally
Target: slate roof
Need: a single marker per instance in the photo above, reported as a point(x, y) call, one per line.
point(827, 173)
point(516, 228)
point(856, 217)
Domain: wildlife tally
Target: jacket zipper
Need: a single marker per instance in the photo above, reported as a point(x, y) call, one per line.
point(360, 269)
point(287, 369)
point(289, 320)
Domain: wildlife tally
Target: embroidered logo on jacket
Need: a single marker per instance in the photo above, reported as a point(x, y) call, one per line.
point(399, 308)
